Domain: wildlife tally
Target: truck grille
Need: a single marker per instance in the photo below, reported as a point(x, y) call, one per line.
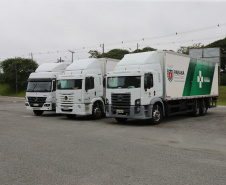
point(121, 102)
point(36, 101)
point(66, 99)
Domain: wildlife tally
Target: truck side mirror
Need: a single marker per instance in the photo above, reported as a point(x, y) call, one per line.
point(104, 82)
point(87, 83)
point(149, 81)
point(54, 85)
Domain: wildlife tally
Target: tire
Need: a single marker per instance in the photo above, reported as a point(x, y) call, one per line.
point(203, 109)
point(157, 115)
point(71, 116)
point(121, 120)
point(196, 112)
point(38, 112)
point(97, 112)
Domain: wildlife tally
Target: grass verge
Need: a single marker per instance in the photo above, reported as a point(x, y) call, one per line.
point(222, 96)
point(6, 90)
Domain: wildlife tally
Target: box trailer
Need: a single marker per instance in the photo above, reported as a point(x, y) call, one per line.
point(41, 88)
point(155, 84)
point(81, 89)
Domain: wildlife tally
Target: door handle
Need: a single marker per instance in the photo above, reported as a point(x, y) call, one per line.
point(95, 93)
point(154, 93)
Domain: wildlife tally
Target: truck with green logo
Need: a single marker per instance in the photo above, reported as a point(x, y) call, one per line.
point(152, 85)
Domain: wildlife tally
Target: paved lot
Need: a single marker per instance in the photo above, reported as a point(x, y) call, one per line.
point(52, 149)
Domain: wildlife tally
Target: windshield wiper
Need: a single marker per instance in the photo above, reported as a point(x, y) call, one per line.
point(34, 87)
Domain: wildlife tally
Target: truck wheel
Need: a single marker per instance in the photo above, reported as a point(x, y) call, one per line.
point(203, 109)
point(156, 115)
point(196, 112)
point(121, 120)
point(38, 112)
point(71, 116)
point(97, 111)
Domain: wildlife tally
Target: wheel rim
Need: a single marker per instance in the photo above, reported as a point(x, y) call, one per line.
point(156, 115)
point(204, 109)
point(197, 110)
point(97, 111)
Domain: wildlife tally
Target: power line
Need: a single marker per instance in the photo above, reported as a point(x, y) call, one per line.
point(132, 41)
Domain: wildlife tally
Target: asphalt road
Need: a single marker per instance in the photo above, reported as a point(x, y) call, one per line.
point(54, 150)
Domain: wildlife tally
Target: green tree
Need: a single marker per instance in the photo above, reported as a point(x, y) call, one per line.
point(18, 70)
point(94, 54)
point(146, 49)
point(116, 53)
point(2, 78)
point(185, 49)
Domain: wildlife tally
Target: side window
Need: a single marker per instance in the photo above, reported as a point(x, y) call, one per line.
point(148, 81)
point(89, 83)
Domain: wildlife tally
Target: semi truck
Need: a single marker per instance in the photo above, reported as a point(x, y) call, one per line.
point(152, 85)
point(81, 89)
point(41, 87)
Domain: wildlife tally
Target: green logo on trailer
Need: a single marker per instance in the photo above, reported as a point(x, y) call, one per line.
point(199, 78)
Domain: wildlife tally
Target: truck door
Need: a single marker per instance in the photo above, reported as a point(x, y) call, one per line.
point(89, 89)
point(149, 90)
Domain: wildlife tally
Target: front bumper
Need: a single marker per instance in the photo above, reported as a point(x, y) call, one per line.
point(45, 107)
point(145, 112)
point(79, 109)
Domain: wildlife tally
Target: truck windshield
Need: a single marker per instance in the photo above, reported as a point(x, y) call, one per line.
point(34, 86)
point(69, 84)
point(124, 82)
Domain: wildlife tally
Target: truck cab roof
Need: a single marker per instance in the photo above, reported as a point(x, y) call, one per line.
point(138, 61)
point(51, 67)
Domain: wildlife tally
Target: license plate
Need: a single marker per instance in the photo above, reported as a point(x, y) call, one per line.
point(36, 108)
point(119, 111)
point(36, 104)
point(65, 108)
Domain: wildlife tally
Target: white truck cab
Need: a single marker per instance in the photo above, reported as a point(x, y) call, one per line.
point(41, 88)
point(80, 90)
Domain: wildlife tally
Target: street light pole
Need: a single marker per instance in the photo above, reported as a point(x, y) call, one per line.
point(16, 70)
point(72, 52)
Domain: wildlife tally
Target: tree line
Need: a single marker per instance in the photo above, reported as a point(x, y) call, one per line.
point(17, 70)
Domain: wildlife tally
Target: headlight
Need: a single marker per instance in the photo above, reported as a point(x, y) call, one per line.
point(137, 102)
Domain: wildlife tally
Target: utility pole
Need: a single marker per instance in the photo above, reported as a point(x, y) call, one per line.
point(219, 76)
point(72, 52)
point(102, 46)
point(16, 69)
point(32, 56)
point(137, 47)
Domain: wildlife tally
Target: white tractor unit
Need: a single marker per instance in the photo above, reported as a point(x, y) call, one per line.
point(41, 87)
point(81, 89)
